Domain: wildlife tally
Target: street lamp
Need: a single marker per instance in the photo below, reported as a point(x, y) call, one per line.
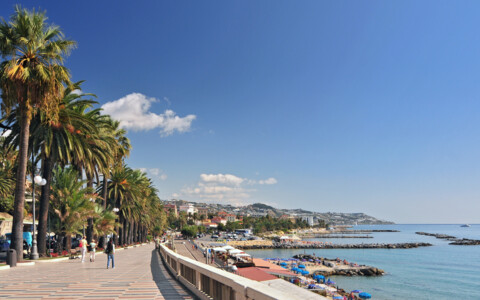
point(41, 182)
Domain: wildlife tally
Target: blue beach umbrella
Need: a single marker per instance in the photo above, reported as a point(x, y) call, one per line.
point(337, 297)
point(365, 295)
point(301, 266)
point(330, 282)
point(283, 263)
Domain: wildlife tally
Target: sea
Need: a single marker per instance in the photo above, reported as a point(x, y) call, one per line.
point(441, 271)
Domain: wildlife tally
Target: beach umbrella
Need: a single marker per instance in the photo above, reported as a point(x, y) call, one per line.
point(242, 255)
point(365, 295)
point(301, 266)
point(305, 272)
point(330, 282)
point(235, 251)
point(356, 291)
point(283, 263)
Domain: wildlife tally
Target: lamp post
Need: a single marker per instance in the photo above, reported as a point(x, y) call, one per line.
point(40, 181)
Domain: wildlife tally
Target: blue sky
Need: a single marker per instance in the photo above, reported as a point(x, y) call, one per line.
point(364, 106)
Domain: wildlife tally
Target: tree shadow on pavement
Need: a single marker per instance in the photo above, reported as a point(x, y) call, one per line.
point(167, 285)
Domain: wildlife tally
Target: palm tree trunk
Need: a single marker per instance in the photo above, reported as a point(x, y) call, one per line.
point(130, 233)
point(135, 232)
point(89, 220)
point(19, 204)
point(124, 235)
point(105, 191)
point(69, 243)
point(44, 206)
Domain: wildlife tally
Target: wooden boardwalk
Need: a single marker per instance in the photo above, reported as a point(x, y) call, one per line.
point(138, 274)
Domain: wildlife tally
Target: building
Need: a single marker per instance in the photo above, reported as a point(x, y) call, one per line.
point(202, 211)
point(171, 208)
point(188, 208)
point(219, 220)
point(231, 218)
point(309, 220)
point(222, 214)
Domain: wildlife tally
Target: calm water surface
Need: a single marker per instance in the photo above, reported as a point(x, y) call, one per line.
point(439, 272)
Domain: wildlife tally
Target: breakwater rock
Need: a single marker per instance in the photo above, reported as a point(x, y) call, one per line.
point(315, 245)
point(454, 240)
point(366, 230)
point(437, 235)
point(332, 236)
point(338, 267)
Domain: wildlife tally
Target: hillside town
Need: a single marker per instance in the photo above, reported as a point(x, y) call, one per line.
point(211, 215)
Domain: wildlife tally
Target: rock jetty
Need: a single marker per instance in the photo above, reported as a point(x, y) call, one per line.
point(330, 267)
point(454, 240)
point(316, 245)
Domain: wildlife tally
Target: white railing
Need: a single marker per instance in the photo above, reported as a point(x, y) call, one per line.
point(208, 282)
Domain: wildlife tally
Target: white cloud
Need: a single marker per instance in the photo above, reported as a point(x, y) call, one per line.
point(6, 133)
point(133, 112)
point(222, 178)
point(270, 180)
point(155, 173)
point(223, 188)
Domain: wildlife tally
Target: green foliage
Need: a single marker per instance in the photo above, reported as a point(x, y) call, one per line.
point(189, 231)
point(6, 204)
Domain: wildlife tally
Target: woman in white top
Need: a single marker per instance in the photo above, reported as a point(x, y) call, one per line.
point(93, 247)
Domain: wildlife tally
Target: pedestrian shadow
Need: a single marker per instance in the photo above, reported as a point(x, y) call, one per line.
point(163, 280)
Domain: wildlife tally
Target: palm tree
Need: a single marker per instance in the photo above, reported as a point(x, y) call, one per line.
point(71, 202)
point(32, 78)
point(57, 143)
point(7, 172)
point(105, 222)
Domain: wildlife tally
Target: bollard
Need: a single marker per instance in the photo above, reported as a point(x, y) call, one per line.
point(12, 257)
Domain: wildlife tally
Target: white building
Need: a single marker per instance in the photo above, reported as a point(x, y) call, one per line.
point(188, 208)
point(308, 219)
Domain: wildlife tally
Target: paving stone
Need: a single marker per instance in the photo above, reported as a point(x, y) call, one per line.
point(138, 274)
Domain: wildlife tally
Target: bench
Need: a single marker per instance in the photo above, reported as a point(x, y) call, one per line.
point(75, 253)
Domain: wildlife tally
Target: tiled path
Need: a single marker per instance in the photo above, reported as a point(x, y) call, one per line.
point(138, 274)
point(185, 248)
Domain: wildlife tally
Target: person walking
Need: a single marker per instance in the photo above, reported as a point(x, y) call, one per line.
point(111, 253)
point(83, 247)
point(93, 247)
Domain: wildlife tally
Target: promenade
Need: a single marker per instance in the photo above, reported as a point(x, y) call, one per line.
point(138, 274)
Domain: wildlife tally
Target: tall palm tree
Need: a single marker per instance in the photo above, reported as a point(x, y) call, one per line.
point(56, 142)
point(32, 77)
